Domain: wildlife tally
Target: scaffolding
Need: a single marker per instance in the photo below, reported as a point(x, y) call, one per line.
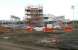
point(34, 15)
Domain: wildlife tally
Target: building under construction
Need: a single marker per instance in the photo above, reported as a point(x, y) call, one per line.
point(34, 15)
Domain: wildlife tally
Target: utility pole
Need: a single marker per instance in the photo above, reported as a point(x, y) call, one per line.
point(13, 22)
point(73, 8)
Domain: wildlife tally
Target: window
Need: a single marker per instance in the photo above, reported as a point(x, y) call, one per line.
point(51, 22)
point(45, 17)
point(46, 22)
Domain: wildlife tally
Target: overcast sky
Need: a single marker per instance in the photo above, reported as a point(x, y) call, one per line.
point(55, 7)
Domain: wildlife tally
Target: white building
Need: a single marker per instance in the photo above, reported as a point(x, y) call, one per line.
point(53, 21)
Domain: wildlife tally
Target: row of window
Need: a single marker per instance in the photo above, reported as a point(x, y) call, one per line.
point(45, 17)
point(49, 22)
point(40, 10)
point(34, 14)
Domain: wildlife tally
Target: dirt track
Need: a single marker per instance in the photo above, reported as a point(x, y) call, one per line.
point(5, 45)
point(11, 46)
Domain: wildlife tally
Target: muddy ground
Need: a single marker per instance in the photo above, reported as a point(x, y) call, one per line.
point(31, 41)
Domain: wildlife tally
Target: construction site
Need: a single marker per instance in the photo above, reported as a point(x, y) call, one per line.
point(39, 33)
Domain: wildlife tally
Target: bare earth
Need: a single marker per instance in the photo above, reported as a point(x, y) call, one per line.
point(11, 46)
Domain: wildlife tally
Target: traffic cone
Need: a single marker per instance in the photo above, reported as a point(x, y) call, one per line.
point(29, 29)
point(68, 29)
point(48, 29)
